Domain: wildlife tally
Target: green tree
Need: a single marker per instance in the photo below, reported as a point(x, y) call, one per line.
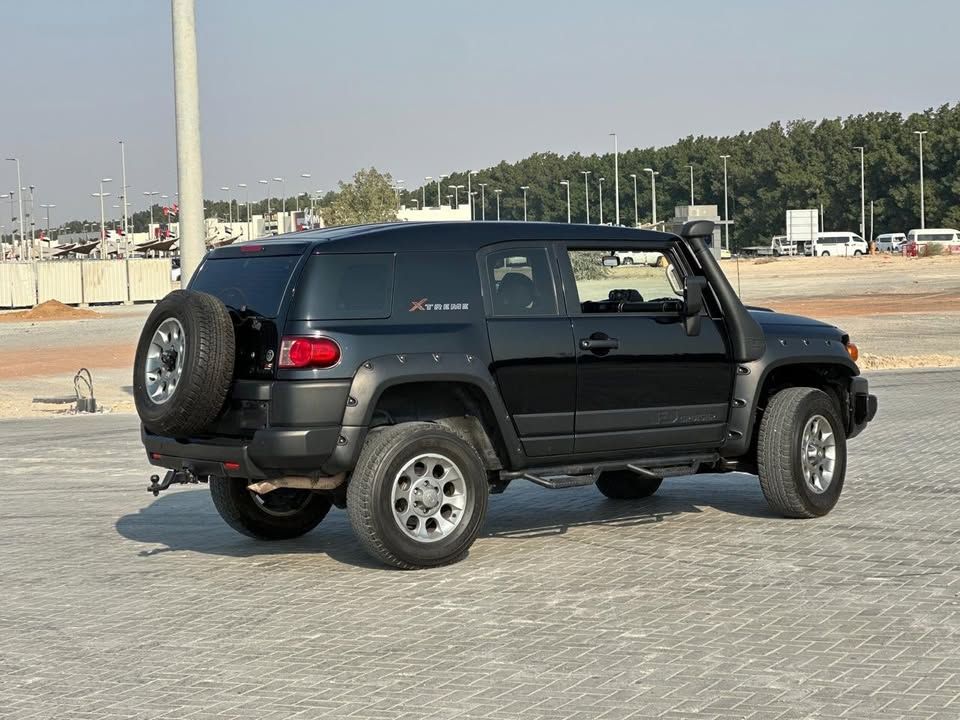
point(369, 198)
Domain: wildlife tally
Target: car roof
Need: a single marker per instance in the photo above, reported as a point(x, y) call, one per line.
point(433, 236)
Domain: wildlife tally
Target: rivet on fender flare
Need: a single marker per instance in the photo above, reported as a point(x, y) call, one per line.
point(368, 366)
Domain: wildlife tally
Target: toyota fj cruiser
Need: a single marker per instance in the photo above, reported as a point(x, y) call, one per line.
point(405, 371)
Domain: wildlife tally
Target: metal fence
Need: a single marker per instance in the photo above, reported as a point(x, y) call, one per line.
point(84, 282)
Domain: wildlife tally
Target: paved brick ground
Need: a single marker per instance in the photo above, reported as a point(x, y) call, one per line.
point(696, 603)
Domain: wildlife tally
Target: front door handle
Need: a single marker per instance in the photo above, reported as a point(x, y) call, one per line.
point(599, 343)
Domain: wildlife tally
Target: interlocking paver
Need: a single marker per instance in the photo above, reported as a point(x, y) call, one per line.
point(694, 603)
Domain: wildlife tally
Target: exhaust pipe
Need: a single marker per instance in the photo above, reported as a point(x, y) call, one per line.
point(298, 482)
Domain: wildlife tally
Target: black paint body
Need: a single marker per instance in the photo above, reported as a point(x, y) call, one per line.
point(641, 387)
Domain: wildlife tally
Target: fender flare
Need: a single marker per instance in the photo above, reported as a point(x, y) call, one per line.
point(378, 374)
point(750, 379)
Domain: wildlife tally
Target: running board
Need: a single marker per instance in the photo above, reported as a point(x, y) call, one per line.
point(568, 476)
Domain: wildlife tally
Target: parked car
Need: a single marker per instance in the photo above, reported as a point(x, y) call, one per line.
point(639, 257)
point(837, 244)
point(890, 242)
point(948, 238)
point(405, 371)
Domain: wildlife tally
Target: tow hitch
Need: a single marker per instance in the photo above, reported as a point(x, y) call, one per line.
point(184, 476)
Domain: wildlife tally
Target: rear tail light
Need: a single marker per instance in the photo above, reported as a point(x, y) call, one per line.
point(305, 352)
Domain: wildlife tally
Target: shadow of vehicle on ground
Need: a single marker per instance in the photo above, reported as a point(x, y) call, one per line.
point(185, 520)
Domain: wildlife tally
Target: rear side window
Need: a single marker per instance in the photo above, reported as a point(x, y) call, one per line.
point(345, 287)
point(254, 284)
point(521, 282)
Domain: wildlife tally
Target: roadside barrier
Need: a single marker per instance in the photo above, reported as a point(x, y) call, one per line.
point(84, 282)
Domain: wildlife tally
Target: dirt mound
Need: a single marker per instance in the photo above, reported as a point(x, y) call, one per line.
point(50, 310)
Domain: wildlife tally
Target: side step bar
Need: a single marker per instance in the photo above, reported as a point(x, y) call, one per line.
point(568, 476)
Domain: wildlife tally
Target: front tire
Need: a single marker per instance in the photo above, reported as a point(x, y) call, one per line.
point(626, 485)
point(801, 453)
point(281, 514)
point(825, 254)
point(418, 495)
point(628, 261)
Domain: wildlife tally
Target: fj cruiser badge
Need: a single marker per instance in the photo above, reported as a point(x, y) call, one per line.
point(422, 304)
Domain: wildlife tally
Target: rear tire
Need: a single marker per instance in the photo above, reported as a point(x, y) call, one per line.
point(628, 261)
point(626, 485)
point(418, 495)
point(825, 254)
point(281, 514)
point(801, 453)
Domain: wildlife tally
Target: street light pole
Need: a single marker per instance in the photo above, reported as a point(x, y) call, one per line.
point(123, 179)
point(863, 197)
point(923, 211)
point(653, 194)
point(636, 211)
point(149, 195)
point(483, 202)
point(229, 205)
point(103, 217)
point(267, 183)
point(524, 188)
point(691, 184)
point(439, 178)
point(20, 201)
point(616, 178)
point(566, 183)
point(470, 174)
point(305, 176)
point(726, 206)
point(601, 199)
point(246, 192)
point(426, 181)
point(497, 193)
point(586, 192)
point(46, 207)
point(189, 161)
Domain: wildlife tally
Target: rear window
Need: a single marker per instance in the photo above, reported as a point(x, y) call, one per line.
point(254, 284)
point(345, 287)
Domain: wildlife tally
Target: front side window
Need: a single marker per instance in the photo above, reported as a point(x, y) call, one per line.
point(641, 286)
point(521, 282)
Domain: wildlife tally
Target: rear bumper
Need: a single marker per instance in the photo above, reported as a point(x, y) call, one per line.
point(269, 453)
point(863, 405)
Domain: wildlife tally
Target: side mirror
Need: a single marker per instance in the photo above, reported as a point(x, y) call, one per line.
point(693, 288)
point(611, 261)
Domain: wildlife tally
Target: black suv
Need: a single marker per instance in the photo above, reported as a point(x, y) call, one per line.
point(405, 371)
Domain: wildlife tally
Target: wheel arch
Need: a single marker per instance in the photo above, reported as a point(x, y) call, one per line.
point(757, 382)
point(454, 390)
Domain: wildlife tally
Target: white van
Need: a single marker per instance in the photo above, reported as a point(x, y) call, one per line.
point(837, 244)
point(890, 242)
point(947, 237)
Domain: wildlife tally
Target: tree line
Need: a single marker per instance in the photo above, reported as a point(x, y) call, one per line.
point(800, 164)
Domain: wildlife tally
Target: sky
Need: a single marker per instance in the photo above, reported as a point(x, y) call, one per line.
point(421, 87)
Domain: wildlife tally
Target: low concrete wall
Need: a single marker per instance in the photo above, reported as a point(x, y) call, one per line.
point(61, 281)
point(18, 286)
point(149, 279)
point(104, 281)
point(77, 282)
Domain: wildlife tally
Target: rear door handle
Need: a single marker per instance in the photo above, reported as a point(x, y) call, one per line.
point(606, 343)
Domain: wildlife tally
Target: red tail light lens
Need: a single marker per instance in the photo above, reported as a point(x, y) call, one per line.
point(302, 352)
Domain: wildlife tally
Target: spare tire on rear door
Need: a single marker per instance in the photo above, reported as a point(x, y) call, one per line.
point(184, 363)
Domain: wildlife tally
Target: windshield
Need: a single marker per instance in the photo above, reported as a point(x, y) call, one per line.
point(247, 284)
